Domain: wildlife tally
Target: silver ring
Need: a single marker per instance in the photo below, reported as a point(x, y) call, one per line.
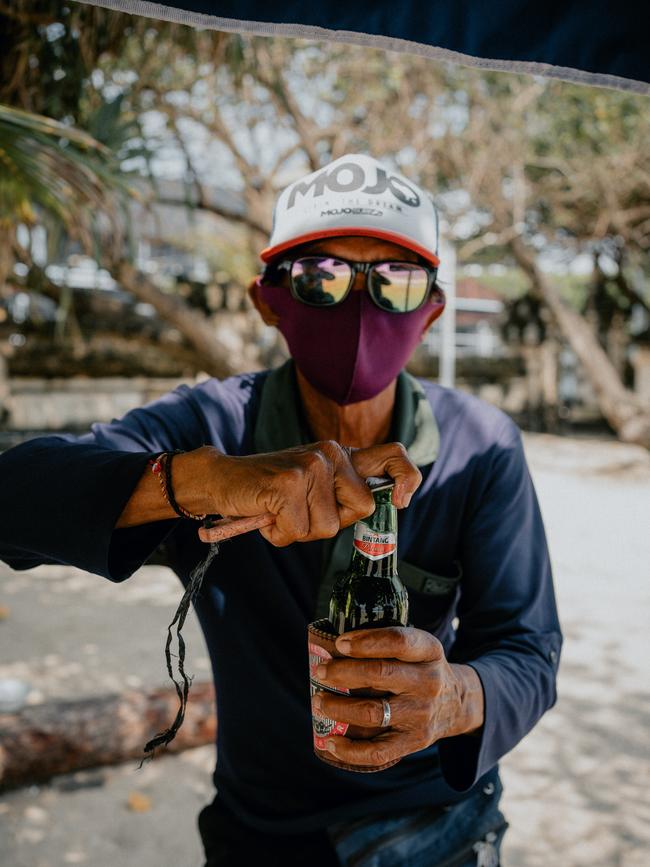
point(386, 720)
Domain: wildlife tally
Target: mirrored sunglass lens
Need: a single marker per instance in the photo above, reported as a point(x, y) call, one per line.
point(398, 286)
point(320, 280)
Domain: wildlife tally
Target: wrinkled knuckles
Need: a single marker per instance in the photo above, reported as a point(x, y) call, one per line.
point(431, 682)
point(384, 669)
point(421, 741)
point(395, 633)
point(370, 713)
point(378, 757)
point(292, 528)
point(327, 706)
point(437, 650)
point(331, 449)
point(315, 462)
point(361, 512)
point(402, 639)
point(293, 479)
point(331, 527)
point(302, 533)
point(429, 731)
point(400, 448)
point(280, 541)
point(424, 719)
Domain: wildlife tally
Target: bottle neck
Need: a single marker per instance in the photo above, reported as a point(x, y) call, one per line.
point(375, 540)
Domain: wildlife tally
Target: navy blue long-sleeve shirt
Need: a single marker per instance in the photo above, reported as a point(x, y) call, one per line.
point(472, 552)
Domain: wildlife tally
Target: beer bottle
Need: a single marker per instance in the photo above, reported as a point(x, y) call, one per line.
point(370, 594)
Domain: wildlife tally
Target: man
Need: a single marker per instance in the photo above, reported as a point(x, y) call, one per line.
point(476, 669)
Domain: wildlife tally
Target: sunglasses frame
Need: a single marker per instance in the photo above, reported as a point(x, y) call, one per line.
point(356, 267)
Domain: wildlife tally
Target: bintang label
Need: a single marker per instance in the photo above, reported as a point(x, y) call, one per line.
point(371, 544)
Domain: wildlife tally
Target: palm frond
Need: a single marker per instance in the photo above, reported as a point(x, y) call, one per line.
point(52, 168)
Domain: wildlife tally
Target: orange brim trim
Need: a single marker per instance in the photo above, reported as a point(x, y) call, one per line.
point(271, 252)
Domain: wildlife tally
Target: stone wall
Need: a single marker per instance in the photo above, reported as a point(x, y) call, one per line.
point(73, 404)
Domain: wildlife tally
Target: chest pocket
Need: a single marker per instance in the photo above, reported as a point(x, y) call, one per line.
point(431, 596)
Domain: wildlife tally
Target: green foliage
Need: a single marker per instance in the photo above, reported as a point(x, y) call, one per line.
point(49, 48)
point(58, 172)
point(568, 166)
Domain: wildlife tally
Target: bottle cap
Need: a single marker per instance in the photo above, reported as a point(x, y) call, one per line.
point(379, 483)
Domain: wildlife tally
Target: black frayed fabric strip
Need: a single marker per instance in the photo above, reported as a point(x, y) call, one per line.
point(182, 689)
point(169, 487)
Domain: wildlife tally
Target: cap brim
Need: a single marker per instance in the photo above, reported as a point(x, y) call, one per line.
point(270, 253)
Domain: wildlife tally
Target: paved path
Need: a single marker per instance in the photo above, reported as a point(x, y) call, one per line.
point(576, 788)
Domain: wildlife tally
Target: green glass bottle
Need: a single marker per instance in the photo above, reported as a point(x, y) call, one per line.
point(370, 594)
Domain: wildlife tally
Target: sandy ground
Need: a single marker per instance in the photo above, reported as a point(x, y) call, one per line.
point(576, 787)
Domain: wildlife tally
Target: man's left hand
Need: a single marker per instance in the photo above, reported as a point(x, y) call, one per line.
point(429, 697)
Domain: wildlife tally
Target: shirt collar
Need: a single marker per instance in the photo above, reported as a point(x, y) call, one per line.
point(281, 424)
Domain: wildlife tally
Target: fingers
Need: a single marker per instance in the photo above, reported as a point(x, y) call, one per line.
point(291, 512)
point(327, 486)
point(300, 492)
point(389, 459)
point(396, 642)
point(353, 496)
point(386, 675)
point(376, 752)
point(228, 528)
point(405, 711)
point(311, 491)
point(322, 505)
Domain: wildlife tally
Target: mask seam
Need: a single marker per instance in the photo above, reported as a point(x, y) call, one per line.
point(357, 349)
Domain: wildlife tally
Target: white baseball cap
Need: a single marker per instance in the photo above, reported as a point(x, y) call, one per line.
point(355, 195)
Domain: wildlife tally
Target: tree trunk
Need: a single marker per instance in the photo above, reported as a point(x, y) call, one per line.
point(197, 330)
point(627, 415)
point(534, 411)
point(549, 373)
point(5, 391)
point(59, 737)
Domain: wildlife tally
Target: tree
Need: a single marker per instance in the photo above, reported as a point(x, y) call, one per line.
point(57, 175)
point(54, 173)
point(525, 167)
point(563, 170)
point(537, 165)
point(522, 167)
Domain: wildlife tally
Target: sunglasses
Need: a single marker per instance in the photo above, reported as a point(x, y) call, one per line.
point(323, 281)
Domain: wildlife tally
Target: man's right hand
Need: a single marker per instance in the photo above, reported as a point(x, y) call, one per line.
point(311, 490)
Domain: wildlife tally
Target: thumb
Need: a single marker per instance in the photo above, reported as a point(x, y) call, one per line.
point(389, 459)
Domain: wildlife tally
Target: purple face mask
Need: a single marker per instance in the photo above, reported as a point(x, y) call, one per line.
point(353, 350)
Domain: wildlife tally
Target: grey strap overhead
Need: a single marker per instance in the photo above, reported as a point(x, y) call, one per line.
point(595, 42)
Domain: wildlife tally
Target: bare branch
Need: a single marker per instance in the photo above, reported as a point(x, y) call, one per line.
point(487, 240)
point(273, 79)
point(284, 156)
point(204, 204)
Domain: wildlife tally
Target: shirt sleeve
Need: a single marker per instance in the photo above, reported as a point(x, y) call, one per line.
point(61, 495)
point(508, 623)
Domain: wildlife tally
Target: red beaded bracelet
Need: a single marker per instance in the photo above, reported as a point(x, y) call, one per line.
point(162, 468)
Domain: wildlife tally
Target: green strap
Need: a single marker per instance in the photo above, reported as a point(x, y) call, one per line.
point(280, 424)
point(428, 582)
point(336, 559)
point(280, 421)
